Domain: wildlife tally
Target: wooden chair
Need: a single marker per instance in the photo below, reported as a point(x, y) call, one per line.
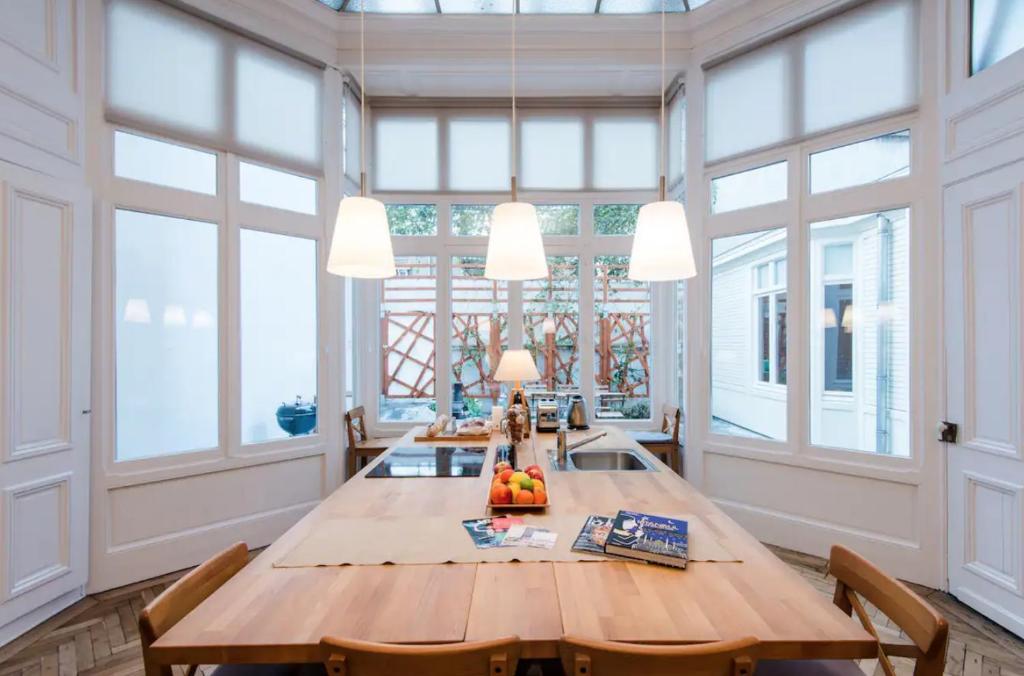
point(927, 630)
point(663, 442)
point(347, 657)
point(182, 597)
point(587, 657)
point(362, 448)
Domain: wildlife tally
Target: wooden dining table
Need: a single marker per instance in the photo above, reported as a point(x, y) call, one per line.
point(268, 614)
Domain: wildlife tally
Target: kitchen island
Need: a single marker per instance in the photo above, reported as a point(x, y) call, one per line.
point(274, 614)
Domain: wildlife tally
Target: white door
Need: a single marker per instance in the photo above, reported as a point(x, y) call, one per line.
point(45, 282)
point(985, 470)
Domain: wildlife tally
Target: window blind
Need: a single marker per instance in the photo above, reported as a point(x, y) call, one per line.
point(177, 75)
point(853, 67)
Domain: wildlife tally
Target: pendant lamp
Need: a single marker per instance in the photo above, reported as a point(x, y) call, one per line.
point(361, 244)
point(662, 250)
point(515, 249)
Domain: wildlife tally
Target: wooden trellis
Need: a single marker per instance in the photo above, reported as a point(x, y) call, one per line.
point(412, 328)
point(556, 354)
point(622, 349)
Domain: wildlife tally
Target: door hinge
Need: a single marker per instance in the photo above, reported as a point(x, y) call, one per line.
point(948, 432)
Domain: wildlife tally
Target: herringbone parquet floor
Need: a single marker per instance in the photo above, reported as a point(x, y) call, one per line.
point(99, 635)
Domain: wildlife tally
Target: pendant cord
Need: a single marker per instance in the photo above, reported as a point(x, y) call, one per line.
point(514, 148)
point(362, 98)
point(662, 149)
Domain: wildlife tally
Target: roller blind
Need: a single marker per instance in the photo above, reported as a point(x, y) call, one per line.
point(853, 67)
point(175, 74)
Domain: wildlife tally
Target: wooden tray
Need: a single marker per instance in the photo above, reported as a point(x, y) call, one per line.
point(518, 508)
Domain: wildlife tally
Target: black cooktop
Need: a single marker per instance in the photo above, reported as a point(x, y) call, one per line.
point(407, 462)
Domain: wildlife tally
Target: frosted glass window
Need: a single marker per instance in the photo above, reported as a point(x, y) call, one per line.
point(871, 161)
point(476, 6)
point(860, 64)
point(166, 333)
point(748, 336)
point(278, 336)
point(676, 139)
point(557, 6)
point(552, 153)
point(754, 187)
point(749, 102)
point(625, 153)
point(479, 154)
point(641, 6)
point(167, 164)
point(278, 189)
point(859, 332)
point(406, 153)
point(392, 6)
point(351, 130)
point(164, 66)
point(277, 106)
point(997, 30)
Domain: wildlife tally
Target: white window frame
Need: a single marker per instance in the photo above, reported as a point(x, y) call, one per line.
point(771, 291)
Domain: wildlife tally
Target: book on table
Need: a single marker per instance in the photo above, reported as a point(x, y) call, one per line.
point(646, 537)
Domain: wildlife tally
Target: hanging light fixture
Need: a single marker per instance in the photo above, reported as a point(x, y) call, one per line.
point(361, 244)
point(662, 250)
point(515, 248)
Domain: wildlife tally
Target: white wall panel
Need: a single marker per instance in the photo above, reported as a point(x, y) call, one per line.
point(38, 542)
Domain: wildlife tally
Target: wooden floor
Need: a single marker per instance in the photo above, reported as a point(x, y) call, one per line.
point(99, 635)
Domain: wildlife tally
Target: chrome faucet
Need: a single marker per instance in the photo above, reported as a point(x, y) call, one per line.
point(563, 448)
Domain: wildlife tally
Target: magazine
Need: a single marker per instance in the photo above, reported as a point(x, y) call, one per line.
point(593, 534)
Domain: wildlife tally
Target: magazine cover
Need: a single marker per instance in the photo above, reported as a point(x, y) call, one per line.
point(658, 539)
point(593, 534)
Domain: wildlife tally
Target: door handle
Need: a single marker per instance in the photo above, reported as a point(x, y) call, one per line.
point(948, 432)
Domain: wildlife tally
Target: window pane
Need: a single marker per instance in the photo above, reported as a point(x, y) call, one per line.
point(871, 161)
point(997, 30)
point(625, 153)
point(751, 188)
point(412, 219)
point(471, 220)
point(167, 336)
point(552, 153)
point(168, 164)
point(277, 109)
point(279, 189)
point(551, 324)
point(615, 219)
point(479, 154)
point(860, 333)
point(277, 295)
point(860, 64)
point(351, 128)
point(622, 349)
point(748, 337)
point(676, 139)
point(406, 153)
point(479, 336)
point(559, 219)
point(408, 315)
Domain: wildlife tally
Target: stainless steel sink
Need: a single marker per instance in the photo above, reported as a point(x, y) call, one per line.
point(601, 460)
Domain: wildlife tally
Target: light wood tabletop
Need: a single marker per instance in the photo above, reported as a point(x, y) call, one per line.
point(266, 614)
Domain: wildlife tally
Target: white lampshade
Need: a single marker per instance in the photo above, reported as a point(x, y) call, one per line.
point(361, 245)
point(515, 250)
point(662, 250)
point(516, 365)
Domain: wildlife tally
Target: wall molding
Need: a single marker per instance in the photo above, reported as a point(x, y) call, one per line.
point(13, 587)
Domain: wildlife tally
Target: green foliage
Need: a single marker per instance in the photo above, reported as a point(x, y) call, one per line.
point(638, 410)
point(412, 219)
point(471, 220)
point(559, 219)
point(473, 409)
point(615, 219)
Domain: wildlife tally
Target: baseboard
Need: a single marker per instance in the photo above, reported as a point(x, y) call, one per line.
point(20, 627)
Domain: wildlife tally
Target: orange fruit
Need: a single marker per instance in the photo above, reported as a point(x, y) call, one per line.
point(524, 497)
point(505, 475)
point(540, 496)
point(538, 485)
point(501, 494)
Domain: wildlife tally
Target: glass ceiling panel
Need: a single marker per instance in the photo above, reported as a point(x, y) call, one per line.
point(505, 6)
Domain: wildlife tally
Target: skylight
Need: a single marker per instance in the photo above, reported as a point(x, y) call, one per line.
point(505, 6)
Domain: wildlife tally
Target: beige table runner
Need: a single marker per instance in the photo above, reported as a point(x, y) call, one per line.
point(432, 540)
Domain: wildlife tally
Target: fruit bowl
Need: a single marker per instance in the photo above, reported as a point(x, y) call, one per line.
point(513, 489)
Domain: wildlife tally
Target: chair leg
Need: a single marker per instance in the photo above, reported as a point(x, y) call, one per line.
point(351, 464)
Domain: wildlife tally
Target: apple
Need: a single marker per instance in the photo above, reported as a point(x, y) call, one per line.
point(526, 484)
point(535, 472)
point(529, 467)
point(502, 466)
point(505, 475)
point(501, 495)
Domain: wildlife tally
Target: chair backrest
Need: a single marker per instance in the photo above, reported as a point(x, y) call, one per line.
point(928, 630)
point(587, 657)
point(347, 657)
point(355, 426)
point(183, 596)
point(670, 417)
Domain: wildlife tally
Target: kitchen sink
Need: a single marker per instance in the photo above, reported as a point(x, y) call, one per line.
point(602, 460)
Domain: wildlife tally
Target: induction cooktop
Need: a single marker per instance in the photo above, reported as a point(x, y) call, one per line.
point(407, 462)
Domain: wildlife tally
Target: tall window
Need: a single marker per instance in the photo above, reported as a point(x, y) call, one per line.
point(408, 308)
point(551, 324)
point(622, 341)
point(748, 346)
point(997, 30)
point(479, 335)
point(859, 333)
